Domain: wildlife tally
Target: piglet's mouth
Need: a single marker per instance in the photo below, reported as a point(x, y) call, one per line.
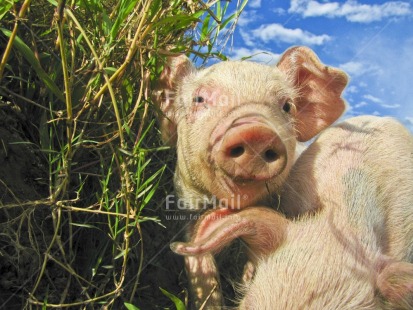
point(250, 179)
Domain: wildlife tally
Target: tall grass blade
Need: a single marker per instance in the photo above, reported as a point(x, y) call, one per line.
point(28, 54)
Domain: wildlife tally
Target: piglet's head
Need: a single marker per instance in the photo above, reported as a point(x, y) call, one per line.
point(235, 124)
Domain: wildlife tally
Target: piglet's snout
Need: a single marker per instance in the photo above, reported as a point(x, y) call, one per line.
point(251, 151)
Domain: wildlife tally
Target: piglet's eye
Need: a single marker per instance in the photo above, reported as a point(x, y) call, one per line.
point(287, 107)
point(198, 99)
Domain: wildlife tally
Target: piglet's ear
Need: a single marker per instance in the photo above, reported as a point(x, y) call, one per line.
point(319, 87)
point(261, 228)
point(175, 70)
point(395, 282)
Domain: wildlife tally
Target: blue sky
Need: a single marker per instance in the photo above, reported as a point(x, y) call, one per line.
point(371, 40)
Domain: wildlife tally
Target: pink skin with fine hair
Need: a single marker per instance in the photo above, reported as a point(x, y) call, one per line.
point(352, 245)
point(235, 126)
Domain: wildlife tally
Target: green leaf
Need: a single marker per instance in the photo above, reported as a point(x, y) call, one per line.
point(5, 6)
point(178, 21)
point(225, 23)
point(174, 4)
point(205, 28)
point(83, 225)
point(218, 11)
point(109, 70)
point(148, 181)
point(130, 306)
point(53, 2)
point(126, 7)
point(178, 303)
point(28, 54)
point(144, 135)
point(155, 7)
point(126, 152)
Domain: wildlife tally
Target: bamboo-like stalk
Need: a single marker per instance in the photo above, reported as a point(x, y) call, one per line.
point(6, 54)
point(67, 161)
point(131, 52)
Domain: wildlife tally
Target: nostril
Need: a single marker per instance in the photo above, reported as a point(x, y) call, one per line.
point(270, 156)
point(236, 151)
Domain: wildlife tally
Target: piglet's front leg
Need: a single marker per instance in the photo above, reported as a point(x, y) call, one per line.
point(202, 271)
point(204, 284)
point(262, 228)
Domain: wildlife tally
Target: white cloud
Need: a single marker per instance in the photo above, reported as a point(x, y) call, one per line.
point(372, 98)
point(360, 105)
point(380, 102)
point(315, 8)
point(390, 106)
point(247, 17)
point(258, 55)
point(249, 40)
point(393, 84)
point(254, 3)
point(353, 68)
point(351, 10)
point(358, 68)
point(279, 11)
point(352, 89)
point(278, 33)
point(353, 110)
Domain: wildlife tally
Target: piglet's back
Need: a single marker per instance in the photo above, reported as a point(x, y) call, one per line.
point(363, 166)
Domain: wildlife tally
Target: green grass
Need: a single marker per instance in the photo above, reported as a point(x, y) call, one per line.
point(78, 75)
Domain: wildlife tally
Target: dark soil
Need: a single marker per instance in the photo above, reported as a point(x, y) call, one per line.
point(23, 180)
